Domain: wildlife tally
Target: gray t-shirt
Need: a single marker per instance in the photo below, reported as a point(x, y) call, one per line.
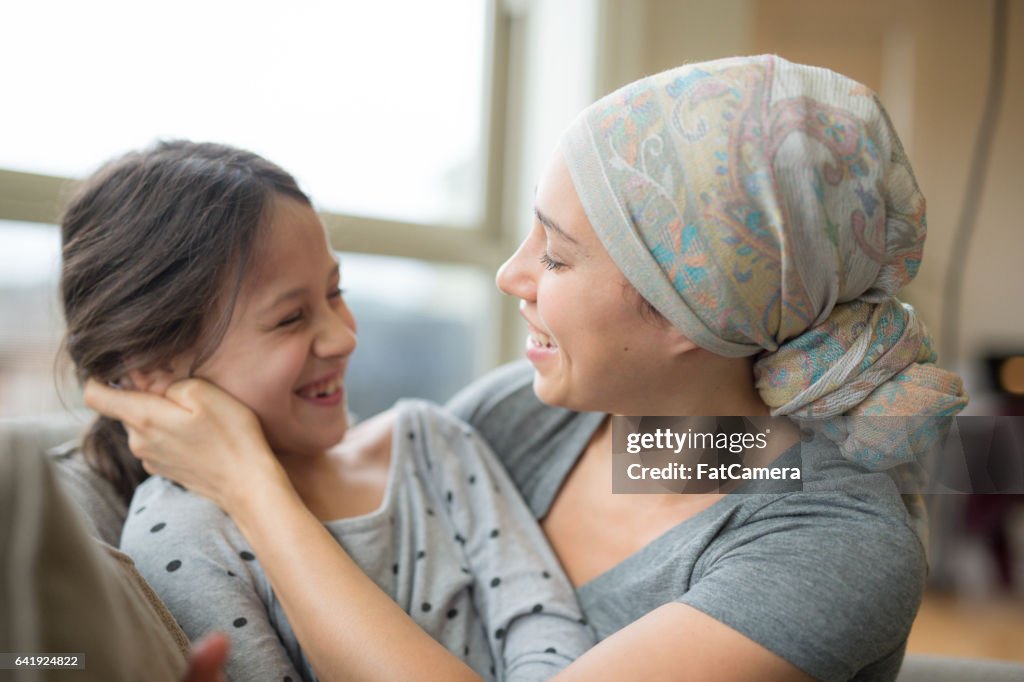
point(829, 578)
point(452, 543)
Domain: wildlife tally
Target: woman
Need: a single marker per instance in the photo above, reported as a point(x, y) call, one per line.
point(721, 239)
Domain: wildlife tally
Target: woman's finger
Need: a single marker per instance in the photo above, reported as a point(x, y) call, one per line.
point(131, 407)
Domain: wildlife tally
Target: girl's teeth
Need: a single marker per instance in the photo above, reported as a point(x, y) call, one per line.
point(330, 388)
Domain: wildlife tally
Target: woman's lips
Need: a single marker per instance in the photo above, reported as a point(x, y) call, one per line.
point(540, 346)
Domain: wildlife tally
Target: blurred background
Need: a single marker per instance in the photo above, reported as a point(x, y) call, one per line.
point(419, 129)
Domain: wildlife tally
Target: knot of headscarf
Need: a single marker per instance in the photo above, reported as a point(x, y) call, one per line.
point(768, 208)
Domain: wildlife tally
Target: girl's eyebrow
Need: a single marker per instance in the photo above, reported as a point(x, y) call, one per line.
point(552, 226)
point(335, 271)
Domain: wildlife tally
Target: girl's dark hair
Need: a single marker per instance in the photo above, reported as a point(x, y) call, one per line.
point(153, 243)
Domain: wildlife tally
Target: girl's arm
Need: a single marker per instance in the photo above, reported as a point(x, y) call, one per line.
point(349, 628)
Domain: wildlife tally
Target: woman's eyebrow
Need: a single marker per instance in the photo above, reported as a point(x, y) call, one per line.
point(552, 226)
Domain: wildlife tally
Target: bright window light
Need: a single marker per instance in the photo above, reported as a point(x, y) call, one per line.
point(377, 107)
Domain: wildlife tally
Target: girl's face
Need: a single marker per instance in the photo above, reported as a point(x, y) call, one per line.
point(592, 347)
point(290, 336)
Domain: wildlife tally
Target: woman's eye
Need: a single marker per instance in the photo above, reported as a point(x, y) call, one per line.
point(550, 263)
point(336, 292)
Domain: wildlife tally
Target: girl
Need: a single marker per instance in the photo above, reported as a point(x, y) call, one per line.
point(202, 260)
point(724, 238)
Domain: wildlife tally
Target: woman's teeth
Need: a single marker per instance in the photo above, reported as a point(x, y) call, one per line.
point(321, 389)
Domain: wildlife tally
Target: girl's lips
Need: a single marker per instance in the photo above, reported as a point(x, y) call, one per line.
point(329, 400)
point(326, 391)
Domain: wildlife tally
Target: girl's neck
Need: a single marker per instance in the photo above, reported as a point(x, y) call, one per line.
point(349, 479)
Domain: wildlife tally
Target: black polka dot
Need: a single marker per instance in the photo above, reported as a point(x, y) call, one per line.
point(239, 622)
point(537, 608)
point(452, 613)
point(492, 670)
point(173, 566)
point(430, 512)
point(472, 480)
point(449, 496)
point(499, 633)
point(158, 527)
point(494, 533)
point(247, 556)
point(465, 651)
point(495, 582)
point(394, 568)
point(412, 436)
point(550, 650)
point(464, 570)
point(582, 621)
point(425, 606)
point(545, 575)
point(231, 573)
point(140, 509)
point(420, 554)
point(459, 539)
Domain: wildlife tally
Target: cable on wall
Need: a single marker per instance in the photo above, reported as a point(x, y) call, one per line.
point(967, 222)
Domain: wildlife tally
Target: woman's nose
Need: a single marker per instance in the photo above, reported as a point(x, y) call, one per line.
point(517, 276)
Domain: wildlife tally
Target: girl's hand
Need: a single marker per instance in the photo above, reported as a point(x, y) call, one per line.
point(196, 435)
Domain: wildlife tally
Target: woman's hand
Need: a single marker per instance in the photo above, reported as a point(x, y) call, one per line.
point(196, 435)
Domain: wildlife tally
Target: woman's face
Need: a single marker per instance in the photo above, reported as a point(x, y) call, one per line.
point(592, 346)
point(290, 336)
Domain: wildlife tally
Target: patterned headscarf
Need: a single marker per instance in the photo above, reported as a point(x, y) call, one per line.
point(765, 207)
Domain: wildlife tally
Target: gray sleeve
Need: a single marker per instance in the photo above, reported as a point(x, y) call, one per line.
point(829, 581)
point(534, 624)
point(186, 549)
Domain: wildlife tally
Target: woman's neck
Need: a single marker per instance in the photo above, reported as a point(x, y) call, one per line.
point(700, 383)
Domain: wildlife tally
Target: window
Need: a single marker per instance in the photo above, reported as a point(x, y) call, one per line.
point(382, 110)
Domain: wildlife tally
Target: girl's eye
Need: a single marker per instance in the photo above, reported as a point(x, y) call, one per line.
point(336, 292)
point(291, 319)
point(550, 263)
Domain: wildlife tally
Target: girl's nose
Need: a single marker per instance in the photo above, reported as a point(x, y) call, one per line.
point(337, 335)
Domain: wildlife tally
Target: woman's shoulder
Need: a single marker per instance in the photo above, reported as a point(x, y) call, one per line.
point(829, 580)
point(502, 406)
point(537, 443)
point(507, 390)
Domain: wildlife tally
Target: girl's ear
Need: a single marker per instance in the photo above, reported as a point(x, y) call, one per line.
point(157, 379)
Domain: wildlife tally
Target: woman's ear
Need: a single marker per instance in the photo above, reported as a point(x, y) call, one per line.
point(678, 343)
